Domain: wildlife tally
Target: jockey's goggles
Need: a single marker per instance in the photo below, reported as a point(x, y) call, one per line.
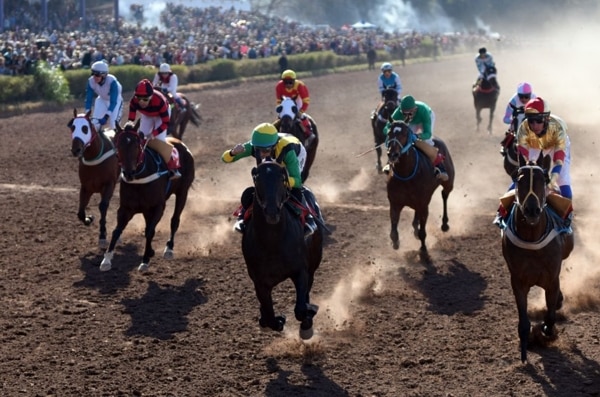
point(142, 98)
point(98, 74)
point(524, 96)
point(264, 149)
point(539, 119)
point(288, 82)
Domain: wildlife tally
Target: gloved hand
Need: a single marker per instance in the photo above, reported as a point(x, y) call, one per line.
point(103, 120)
point(142, 136)
point(554, 180)
point(164, 90)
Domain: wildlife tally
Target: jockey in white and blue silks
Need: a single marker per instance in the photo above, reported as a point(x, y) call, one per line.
point(108, 105)
point(519, 100)
point(483, 61)
point(389, 79)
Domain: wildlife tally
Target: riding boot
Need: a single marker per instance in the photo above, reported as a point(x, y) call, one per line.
point(173, 165)
point(306, 124)
point(501, 217)
point(240, 226)
point(386, 169)
point(440, 170)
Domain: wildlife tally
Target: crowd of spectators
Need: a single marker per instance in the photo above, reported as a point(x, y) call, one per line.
point(187, 36)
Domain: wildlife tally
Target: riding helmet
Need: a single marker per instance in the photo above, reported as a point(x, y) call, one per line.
point(264, 135)
point(537, 106)
point(408, 103)
point(482, 51)
point(164, 68)
point(288, 75)
point(144, 88)
point(524, 89)
point(100, 67)
point(386, 66)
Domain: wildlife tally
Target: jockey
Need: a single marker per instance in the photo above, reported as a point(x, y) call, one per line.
point(108, 105)
point(290, 87)
point(155, 115)
point(519, 99)
point(167, 81)
point(389, 79)
point(483, 61)
point(421, 119)
point(543, 133)
point(285, 149)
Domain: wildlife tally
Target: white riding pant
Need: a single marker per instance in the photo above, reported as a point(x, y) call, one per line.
point(101, 109)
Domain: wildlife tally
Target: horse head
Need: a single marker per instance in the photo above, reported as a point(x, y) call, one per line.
point(130, 148)
point(399, 140)
point(271, 189)
point(390, 102)
point(83, 132)
point(532, 179)
point(287, 111)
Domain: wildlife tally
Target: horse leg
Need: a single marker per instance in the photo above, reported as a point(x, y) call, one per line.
point(84, 200)
point(394, 219)
point(152, 217)
point(304, 310)
point(553, 296)
point(103, 208)
point(123, 218)
point(419, 226)
point(267, 314)
point(491, 118)
point(520, 293)
point(445, 226)
point(180, 200)
point(379, 167)
point(478, 116)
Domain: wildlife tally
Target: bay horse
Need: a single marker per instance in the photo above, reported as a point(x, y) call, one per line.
point(180, 120)
point(534, 244)
point(379, 119)
point(485, 96)
point(411, 181)
point(509, 144)
point(289, 123)
point(145, 188)
point(98, 168)
point(275, 249)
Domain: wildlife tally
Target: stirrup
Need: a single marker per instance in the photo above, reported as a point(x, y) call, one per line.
point(174, 174)
point(309, 227)
point(386, 169)
point(239, 226)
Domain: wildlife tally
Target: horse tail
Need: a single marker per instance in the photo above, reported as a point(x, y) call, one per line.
point(195, 116)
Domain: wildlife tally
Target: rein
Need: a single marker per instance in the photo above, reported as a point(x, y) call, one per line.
point(404, 149)
point(102, 156)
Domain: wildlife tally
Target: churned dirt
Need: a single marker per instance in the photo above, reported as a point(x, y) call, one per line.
point(389, 324)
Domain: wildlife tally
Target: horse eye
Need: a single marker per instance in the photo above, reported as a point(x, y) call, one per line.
point(279, 109)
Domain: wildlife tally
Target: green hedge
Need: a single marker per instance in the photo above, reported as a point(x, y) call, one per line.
point(27, 88)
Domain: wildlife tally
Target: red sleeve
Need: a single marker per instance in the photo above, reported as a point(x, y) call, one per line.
point(279, 91)
point(133, 107)
point(303, 92)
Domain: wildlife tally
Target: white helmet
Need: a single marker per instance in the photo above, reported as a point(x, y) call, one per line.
point(164, 68)
point(100, 67)
point(386, 66)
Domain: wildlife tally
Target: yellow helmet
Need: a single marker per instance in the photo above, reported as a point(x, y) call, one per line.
point(264, 135)
point(288, 75)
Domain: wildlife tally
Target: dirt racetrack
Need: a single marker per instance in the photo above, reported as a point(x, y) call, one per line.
point(388, 325)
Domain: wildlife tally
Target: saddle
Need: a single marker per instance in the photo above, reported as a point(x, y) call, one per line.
point(562, 206)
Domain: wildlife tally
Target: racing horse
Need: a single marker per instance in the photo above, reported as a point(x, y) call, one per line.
point(509, 144)
point(411, 181)
point(275, 249)
point(98, 168)
point(534, 244)
point(485, 96)
point(145, 188)
point(380, 117)
point(180, 120)
point(289, 123)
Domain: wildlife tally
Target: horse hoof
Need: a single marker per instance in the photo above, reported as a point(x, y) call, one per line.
point(105, 266)
point(88, 220)
point(306, 333)
point(445, 228)
point(103, 244)
point(168, 253)
point(143, 267)
point(395, 245)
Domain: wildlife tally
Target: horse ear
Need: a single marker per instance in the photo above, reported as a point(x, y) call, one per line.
point(118, 128)
point(74, 112)
point(545, 163)
point(522, 160)
point(254, 171)
point(137, 124)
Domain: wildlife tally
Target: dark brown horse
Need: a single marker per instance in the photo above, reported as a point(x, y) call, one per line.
point(380, 117)
point(98, 168)
point(179, 119)
point(275, 249)
point(411, 181)
point(509, 144)
point(290, 123)
point(485, 96)
point(145, 188)
point(534, 245)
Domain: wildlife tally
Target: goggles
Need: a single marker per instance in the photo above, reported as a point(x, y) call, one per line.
point(142, 98)
point(537, 119)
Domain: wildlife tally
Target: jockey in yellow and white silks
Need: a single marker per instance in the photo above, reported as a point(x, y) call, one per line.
point(108, 105)
point(542, 132)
